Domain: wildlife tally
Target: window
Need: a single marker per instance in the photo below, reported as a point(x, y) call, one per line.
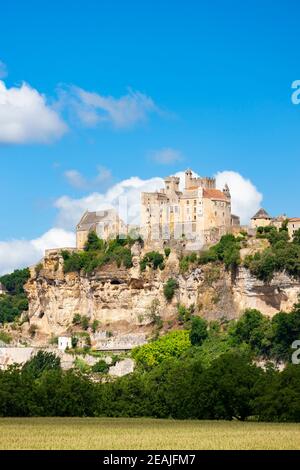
point(195, 217)
point(195, 202)
point(187, 202)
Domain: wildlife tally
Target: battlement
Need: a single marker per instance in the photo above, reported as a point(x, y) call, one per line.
point(198, 182)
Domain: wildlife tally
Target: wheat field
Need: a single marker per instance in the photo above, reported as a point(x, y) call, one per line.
point(129, 434)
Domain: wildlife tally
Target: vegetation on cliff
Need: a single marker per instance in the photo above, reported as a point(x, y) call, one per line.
point(14, 302)
point(282, 255)
point(97, 253)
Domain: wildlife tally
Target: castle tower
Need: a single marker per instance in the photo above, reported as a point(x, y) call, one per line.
point(188, 179)
point(226, 191)
point(172, 184)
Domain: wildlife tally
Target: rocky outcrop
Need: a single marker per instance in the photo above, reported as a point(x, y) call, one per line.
point(279, 294)
point(123, 300)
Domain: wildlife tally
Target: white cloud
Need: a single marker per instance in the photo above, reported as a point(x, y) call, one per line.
point(3, 70)
point(26, 117)
point(16, 254)
point(166, 156)
point(76, 179)
point(92, 108)
point(246, 199)
point(124, 197)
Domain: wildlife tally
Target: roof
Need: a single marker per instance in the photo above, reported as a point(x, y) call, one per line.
point(214, 194)
point(262, 214)
point(295, 219)
point(90, 219)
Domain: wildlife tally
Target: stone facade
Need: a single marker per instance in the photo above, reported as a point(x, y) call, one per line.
point(107, 224)
point(293, 226)
point(200, 212)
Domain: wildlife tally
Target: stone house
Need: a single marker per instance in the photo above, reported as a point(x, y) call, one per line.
point(261, 219)
point(293, 225)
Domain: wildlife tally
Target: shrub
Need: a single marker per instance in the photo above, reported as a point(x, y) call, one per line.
point(95, 325)
point(184, 313)
point(76, 319)
point(198, 331)
point(84, 322)
point(101, 367)
point(152, 259)
point(38, 268)
point(170, 288)
point(98, 253)
point(167, 251)
point(5, 337)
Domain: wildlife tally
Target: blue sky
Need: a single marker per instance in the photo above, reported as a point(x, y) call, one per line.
point(213, 82)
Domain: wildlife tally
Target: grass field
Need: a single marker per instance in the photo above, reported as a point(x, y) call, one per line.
point(123, 434)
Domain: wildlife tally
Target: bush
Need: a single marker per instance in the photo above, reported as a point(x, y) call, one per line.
point(185, 314)
point(38, 268)
point(76, 319)
point(97, 253)
point(170, 288)
point(95, 325)
point(100, 367)
point(152, 259)
point(5, 337)
point(167, 251)
point(198, 331)
point(84, 322)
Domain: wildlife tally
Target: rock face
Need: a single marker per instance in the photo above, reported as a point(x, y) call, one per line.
point(123, 300)
point(280, 294)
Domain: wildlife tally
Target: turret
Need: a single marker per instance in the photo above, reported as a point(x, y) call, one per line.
point(226, 191)
point(188, 178)
point(172, 183)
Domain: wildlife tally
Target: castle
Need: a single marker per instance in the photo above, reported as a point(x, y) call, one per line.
point(199, 214)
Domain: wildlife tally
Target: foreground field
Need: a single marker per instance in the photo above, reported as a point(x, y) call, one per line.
point(94, 433)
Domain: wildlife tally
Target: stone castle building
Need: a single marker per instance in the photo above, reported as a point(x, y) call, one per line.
point(107, 224)
point(200, 212)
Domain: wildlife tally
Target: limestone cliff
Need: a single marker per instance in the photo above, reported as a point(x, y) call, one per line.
point(121, 299)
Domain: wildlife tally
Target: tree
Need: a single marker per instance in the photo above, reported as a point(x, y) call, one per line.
point(228, 388)
point(93, 243)
point(198, 331)
point(254, 329)
point(41, 362)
